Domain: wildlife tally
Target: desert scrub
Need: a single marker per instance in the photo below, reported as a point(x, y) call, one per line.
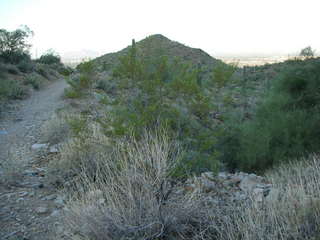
point(138, 202)
point(12, 89)
point(34, 80)
point(56, 129)
point(291, 211)
point(83, 150)
point(82, 82)
point(286, 122)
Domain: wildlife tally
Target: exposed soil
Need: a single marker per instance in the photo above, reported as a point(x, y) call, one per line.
point(29, 208)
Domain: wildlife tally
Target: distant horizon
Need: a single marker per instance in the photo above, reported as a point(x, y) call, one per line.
point(246, 27)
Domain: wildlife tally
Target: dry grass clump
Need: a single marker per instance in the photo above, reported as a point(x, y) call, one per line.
point(55, 130)
point(84, 150)
point(291, 211)
point(131, 196)
point(10, 169)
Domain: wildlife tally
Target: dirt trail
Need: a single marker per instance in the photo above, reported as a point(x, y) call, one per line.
point(28, 208)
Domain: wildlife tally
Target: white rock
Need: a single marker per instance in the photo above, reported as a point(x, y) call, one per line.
point(39, 146)
point(41, 210)
point(54, 149)
point(250, 182)
point(49, 198)
point(223, 175)
point(59, 201)
point(257, 194)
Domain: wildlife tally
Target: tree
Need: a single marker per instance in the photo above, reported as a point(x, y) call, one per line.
point(50, 57)
point(307, 52)
point(13, 45)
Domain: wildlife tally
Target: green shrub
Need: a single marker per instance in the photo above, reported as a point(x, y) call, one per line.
point(81, 83)
point(49, 57)
point(34, 80)
point(12, 69)
point(155, 92)
point(26, 66)
point(11, 89)
point(106, 85)
point(72, 93)
point(65, 71)
point(285, 126)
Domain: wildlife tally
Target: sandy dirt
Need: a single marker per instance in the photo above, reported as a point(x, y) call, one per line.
point(29, 208)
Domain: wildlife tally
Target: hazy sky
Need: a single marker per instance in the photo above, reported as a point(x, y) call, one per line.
point(216, 26)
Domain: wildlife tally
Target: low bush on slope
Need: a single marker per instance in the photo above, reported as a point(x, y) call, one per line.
point(284, 126)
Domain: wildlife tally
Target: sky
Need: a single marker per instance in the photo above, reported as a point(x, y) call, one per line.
point(219, 27)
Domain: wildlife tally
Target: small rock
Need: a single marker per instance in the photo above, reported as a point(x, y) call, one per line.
point(29, 172)
point(258, 194)
point(59, 201)
point(37, 185)
point(249, 182)
point(55, 213)
point(39, 146)
point(49, 198)
point(235, 179)
point(41, 210)
point(54, 149)
point(23, 194)
point(223, 175)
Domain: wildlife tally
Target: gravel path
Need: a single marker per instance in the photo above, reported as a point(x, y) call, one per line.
point(28, 208)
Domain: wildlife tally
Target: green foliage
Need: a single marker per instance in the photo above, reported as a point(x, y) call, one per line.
point(12, 69)
point(307, 52)
point(222, 74)
point(151, 93)
point(50, 57)
point(82, 82)
point(65, 71)
point(43, 70)
point(11, 89)
point(34, 80)
point(13, 45)
point(285, 126)
point(72, 93)
point(26, 66)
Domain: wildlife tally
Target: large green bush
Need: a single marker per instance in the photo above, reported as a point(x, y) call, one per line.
point(81, 83)
point(50, 57)
point(286, 125)
point(155, 92)
point(14, 46)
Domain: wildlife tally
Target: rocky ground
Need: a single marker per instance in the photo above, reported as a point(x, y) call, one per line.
point(29, 208)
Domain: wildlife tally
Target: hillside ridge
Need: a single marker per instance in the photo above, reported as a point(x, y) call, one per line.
point(157, 45)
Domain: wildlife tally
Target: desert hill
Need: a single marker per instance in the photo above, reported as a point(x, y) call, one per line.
point(159, 45)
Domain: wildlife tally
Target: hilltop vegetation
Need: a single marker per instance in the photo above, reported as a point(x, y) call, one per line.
point(158, 45)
